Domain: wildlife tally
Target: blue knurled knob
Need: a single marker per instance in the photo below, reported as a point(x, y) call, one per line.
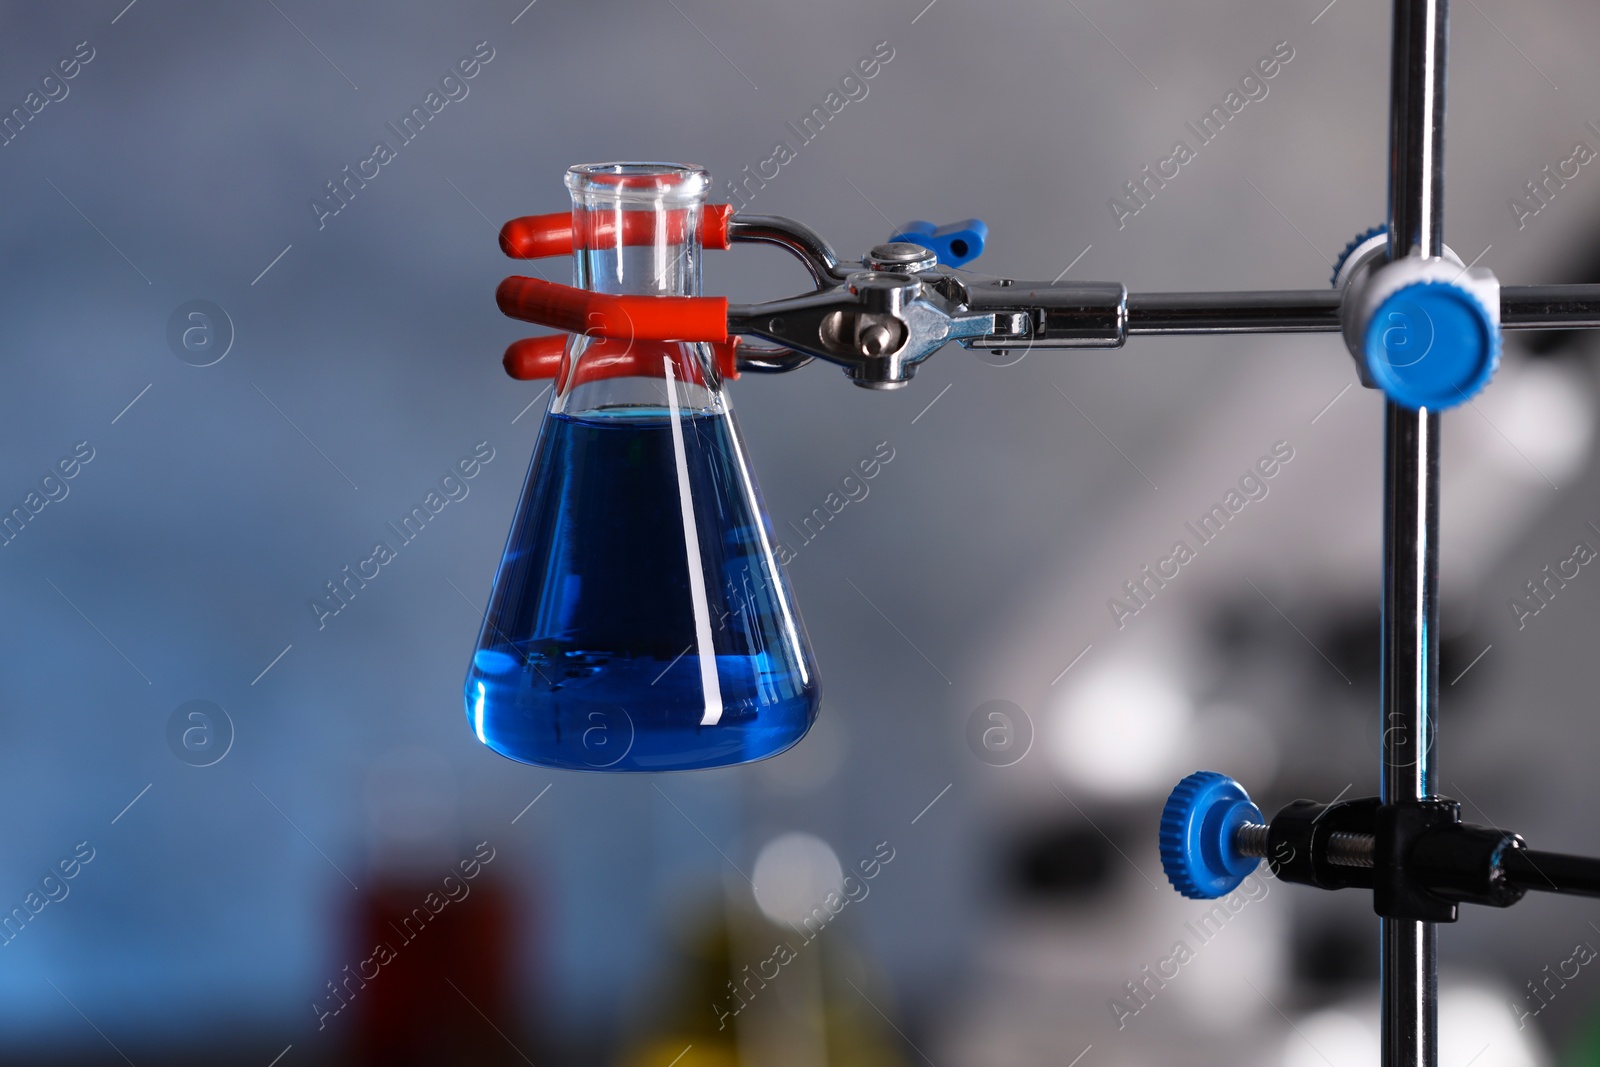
point(1199, 826)
point(1425, 330)
point(1431, 342)
point(1356, 242)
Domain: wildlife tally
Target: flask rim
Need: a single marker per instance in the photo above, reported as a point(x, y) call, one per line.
point(644, 183)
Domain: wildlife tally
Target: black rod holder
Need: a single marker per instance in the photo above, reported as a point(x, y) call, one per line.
point(1417, 856)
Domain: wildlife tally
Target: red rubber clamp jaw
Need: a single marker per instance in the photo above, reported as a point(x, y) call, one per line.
point(637, 318)
point(629, 331)
point(541, 236)
point(534, 358)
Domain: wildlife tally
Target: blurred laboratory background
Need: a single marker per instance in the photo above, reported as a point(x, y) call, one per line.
point(245, 819)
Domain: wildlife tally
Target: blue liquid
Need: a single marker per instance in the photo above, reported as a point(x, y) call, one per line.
point(591, 653)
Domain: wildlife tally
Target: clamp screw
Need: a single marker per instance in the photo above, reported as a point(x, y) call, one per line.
point(875, 339)
point(901, 257)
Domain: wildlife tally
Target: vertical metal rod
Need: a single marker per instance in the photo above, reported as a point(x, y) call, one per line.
point(1416, 127)
point(1410, 653)
point(1410, 659)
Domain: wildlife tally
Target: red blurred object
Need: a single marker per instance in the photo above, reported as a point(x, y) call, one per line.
point(446, 984)
point(540, 236)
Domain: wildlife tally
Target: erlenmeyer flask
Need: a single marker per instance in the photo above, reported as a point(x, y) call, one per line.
point(639, 619)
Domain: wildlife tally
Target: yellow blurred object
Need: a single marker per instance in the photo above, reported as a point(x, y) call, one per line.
point(744, 992)
point(683, 1050)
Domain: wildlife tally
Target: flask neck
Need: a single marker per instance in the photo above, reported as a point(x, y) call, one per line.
point(636, 227)
point(636, 231)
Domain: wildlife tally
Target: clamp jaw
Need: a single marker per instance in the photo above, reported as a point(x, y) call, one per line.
point(877, 322)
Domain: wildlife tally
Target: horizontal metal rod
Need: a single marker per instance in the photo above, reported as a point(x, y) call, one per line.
point(1272, 311)
point(1549, 307)
point(1522, 307)
point(1553, 872)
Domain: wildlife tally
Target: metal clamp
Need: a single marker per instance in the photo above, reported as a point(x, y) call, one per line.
point(879, 321)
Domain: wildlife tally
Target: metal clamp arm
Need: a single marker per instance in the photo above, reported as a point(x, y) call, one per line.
point(800, 240)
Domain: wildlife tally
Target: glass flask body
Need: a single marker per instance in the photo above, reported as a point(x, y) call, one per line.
point(639, 618)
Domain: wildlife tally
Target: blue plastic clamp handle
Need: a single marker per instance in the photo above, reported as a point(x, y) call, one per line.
point(956, 244)
point(1198, 827)
point(1431, 345)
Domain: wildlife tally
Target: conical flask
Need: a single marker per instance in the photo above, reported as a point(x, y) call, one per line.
point(639, 619)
